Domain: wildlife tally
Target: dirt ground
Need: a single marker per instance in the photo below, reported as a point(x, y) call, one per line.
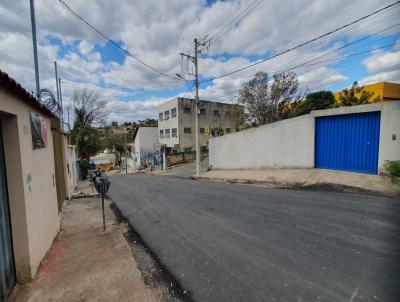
point(87, 264)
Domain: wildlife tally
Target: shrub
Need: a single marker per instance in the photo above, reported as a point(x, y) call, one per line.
point(392, 167)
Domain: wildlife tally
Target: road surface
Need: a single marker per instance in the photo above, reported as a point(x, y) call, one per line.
point(243, 243)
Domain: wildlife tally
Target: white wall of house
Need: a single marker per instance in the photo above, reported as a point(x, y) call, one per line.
point(31, 185)
point(290, 143)
point(170, 123)
point(145, 140)
point(70, 162)
point(283, 144)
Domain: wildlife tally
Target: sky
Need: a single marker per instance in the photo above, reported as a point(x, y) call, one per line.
point(241, 32)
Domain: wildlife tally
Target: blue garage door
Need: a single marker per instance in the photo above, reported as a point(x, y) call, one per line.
point(348, 142)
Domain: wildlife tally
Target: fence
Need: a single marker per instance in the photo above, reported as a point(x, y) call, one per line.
point(184, 157)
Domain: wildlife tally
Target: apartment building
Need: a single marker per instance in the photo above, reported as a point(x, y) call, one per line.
point(176, 123)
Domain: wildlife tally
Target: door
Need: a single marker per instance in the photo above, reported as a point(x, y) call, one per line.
point(348, 142)
point(7, 270)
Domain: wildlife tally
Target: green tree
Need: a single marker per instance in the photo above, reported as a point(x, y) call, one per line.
point(88, 112)
point(266, 101)
point(355, 95)
point(313, 101)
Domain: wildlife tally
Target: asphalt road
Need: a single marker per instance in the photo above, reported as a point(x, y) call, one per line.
point(243, 243)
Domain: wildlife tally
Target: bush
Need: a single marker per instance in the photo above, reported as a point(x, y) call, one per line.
point(392, 167)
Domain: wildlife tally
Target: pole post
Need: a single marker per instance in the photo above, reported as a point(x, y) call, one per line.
point(196, 82)
point(35, 56)
point(61, 106)
point(126, 157)
point(56, 73)
point(164, 161)
point(102, 207)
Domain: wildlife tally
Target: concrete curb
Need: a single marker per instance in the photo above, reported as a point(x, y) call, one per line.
point(320, 186)
point(155, 274)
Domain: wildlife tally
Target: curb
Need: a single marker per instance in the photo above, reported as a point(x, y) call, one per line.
point(320, 186)
point(159, 274)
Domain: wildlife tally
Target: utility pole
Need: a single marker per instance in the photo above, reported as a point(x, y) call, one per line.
point(196, 120)
point(35, 56)
point(61, 106)
point(194, 60)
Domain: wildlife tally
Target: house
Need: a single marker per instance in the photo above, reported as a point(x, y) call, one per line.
point(176, 123)
point(382, 91)
point(145, 138)
point(104, 161)
point(32, 183)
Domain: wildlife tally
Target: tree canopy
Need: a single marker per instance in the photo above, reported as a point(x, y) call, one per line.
point(355, 95)
point(266, 100)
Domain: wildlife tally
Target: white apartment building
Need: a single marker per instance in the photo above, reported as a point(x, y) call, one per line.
point(176, 123)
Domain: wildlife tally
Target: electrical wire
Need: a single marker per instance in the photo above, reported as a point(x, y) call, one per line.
point(76, 15)
point(235, 19)
point(269, 78)
point(302, 44)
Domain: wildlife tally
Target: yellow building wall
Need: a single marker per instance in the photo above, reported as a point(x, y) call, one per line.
point(384, 90)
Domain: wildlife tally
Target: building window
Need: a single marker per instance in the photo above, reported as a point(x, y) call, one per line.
point(161, 133)
point(160, 116)
point(173, 112)
point(228, 114)
point(174, 132)
point(187, 130)
point(188, 149)
point(167, 133)
point(216, 112)
point(166, 115)
point(203, 111)
point(201, 130)
point(228, 130)
point(187, 110)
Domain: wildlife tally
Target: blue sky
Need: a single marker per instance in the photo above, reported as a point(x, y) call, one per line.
point(245, 31)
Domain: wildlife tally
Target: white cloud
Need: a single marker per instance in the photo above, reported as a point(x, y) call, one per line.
point(383, 66)
point(321, 78)
point(383, 62)
point(156, 31)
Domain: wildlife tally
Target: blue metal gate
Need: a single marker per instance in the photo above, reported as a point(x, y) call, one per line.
point(348, 142)
point(7, 270)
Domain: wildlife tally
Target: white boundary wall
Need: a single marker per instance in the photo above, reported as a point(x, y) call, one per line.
point(290, 143)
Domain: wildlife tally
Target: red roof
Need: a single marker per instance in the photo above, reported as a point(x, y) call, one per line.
point(12, 87)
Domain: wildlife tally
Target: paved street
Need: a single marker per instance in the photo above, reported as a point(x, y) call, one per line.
point(244, 243)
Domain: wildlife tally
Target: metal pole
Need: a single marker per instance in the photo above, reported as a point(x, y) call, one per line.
point(102, 207)
point(196, 81)
point(35, 56)
point(58, 91)
point(61, 106)
point(126, 158)
point(164, 161)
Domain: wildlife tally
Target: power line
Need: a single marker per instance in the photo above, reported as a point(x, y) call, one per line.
point(342, 47)
point(234, 19)
point(76, 15)
point(269, 78)
point(302, 44)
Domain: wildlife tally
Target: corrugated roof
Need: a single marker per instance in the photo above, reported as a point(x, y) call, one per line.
point(12, 87)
